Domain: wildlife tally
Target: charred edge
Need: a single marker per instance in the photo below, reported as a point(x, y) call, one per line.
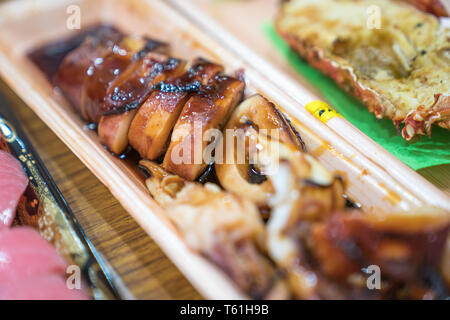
point(297, 134)
point(209, 175)
point(350, 203)
point(160, 67)
point(151, 46)
point(190, 87)
point(128, 107)
point(287, 125)
point(145, 171)
point(255, 176)
point(309, 182)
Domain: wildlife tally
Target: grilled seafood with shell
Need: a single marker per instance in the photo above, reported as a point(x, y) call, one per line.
point(400, 71)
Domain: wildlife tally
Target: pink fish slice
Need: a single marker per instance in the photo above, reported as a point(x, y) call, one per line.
point(13, 183)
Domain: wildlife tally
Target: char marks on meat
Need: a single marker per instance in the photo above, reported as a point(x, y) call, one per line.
point(72, 71)
point(130, 89)
point(208, 109)
point(152, 126)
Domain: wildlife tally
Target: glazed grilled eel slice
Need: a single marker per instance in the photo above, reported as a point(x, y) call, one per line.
point(208, 109)
point(128, 92)
point(105, 69)
point(130, 89)
point(71, 73)
point(399, 71)
point(151, 128)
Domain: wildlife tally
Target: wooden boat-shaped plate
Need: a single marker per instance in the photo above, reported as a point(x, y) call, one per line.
point(26, 25)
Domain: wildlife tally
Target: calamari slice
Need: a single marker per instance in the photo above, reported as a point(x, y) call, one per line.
point(223, 227)
point(270, 140)
point(324, 258)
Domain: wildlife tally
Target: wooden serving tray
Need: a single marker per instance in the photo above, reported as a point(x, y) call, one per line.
point(27, 24)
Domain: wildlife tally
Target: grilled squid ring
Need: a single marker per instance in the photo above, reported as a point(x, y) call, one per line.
point(246, 179)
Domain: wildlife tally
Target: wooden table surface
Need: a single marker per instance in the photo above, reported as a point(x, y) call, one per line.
point(143, 267)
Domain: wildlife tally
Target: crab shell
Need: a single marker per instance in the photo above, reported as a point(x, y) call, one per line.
point(420, 120)
point(417, 122)
point(434, 7)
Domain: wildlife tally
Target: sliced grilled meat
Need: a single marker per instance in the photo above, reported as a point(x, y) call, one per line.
point(101, 74)
point(130, 90)
point(113, 131)
point(151, 128)
point(209, 109)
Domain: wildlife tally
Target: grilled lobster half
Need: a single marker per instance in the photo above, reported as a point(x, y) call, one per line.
point(388, 54)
